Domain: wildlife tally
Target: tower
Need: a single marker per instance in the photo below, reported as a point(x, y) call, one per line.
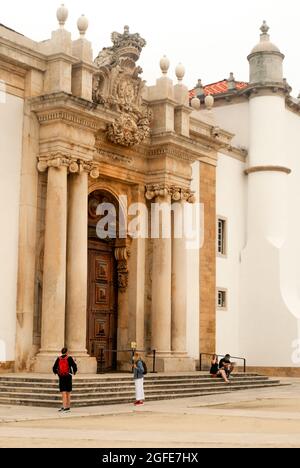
point(267, 326)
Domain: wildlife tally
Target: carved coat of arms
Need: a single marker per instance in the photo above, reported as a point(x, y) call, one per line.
point(118, 86)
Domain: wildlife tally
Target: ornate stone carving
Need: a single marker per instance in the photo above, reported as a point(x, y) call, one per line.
point(74, 166)
point(176, 193)
point(117, 86)
point(122, 255)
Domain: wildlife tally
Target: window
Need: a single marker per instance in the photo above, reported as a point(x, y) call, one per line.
point(222, 299)
point(222, 237)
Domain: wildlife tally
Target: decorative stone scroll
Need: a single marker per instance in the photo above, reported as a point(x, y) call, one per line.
point(176, 193)
point(122, 255)
point(74, 166)
point(118, 87)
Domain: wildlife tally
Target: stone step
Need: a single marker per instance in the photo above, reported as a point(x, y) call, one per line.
point(127, 392)
point(120, 384)
point(128, 377)
point(109, 388)
point(121, 399)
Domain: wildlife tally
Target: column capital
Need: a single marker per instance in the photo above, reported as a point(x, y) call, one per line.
point(74, 166)
point(175, 192)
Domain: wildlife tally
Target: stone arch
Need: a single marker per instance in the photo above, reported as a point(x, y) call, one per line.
point(103, 251)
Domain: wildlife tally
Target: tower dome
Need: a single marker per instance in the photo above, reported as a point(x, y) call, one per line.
point(266, 60)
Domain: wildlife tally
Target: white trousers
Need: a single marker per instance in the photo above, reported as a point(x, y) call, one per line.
point(139, 390)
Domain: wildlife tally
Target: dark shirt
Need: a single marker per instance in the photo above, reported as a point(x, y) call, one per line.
point(224, 362)
point(72, 366)
point(214, 369)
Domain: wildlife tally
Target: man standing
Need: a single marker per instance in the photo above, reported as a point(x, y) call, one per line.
point(65, 367)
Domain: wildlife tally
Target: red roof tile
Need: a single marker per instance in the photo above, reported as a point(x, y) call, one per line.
point(219, 88)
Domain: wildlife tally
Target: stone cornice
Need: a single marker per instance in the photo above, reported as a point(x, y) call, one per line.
point(253, 170)
point(61, 57)
point(69, 117)
point(236, 153)
point(213, 134)
point(21, 55)
point(179, 147)
point(91, 115)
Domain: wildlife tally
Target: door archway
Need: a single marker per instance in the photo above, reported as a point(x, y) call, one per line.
point(102, 308)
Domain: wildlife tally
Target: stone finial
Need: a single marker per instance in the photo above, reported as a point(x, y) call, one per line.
point(164, 65)
point(180, 72)
point(264, 28)
point(82, 25)
point(231, 82)
point(62, 15)
point(196, 103)
point(209, 102)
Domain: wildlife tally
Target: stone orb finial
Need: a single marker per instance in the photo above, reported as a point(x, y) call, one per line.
point(264, 28)
point(180, 72)
point(164, 65)
point(209, 102)
point(82, 25)
point(62, 15)
point(196, 103)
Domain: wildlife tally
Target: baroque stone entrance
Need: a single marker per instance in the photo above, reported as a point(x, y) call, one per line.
point(102, 306)
point(102, 311)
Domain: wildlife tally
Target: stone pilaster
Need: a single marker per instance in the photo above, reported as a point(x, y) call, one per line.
point(208, 260)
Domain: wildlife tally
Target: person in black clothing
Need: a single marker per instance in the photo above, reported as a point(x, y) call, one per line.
point(226, 367)
point(65, 367)
point(214, 370)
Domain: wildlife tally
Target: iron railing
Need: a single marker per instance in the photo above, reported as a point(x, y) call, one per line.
point(221, 356)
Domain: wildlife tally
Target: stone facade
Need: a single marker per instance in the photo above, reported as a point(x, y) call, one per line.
point(93, 130)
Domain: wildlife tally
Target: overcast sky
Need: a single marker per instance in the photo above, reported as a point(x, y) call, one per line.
point(211, 38)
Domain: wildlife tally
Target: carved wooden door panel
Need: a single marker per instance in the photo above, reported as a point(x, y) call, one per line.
point(102, 307)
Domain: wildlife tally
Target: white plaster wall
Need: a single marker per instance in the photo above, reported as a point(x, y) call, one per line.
point(235, 119)
point(193, 284)
point(267, 325)
point(290, 253)
point(11, 121)
point(231, 204)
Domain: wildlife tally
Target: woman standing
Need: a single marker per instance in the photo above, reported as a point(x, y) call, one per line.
point(139, 380)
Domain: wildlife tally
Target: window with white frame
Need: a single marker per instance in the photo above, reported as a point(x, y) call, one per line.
point(222, 299)
point(222, 237)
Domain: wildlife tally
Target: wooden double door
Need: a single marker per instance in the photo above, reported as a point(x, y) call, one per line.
point(102, 304)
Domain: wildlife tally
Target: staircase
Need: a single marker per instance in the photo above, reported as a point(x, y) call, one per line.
point(109, 390)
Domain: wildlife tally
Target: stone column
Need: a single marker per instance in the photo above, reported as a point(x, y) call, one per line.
point(179, 288)
point(77, 270)
point(54, 284)
point(161, 284)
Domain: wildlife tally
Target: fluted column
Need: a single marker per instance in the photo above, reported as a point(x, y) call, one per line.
point(54, 283)
point(161, 283)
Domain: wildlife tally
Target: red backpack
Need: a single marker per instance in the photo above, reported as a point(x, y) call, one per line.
point(63, 366)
